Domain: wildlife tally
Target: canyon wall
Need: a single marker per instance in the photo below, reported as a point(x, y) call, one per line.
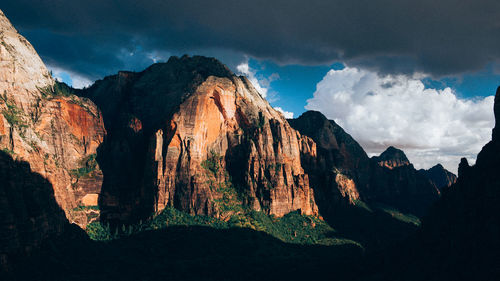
point(42, 123)
point(190, 134)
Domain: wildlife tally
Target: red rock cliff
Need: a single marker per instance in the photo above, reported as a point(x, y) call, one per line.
point(42, 123)
point(191, 134)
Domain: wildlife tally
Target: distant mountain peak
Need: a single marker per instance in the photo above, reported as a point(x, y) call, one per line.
point(439, 176)
point(391, 158)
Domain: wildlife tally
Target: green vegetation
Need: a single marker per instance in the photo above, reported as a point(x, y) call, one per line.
point(99, 232)
point(88, 165)
point(179, 252)
point(12, 114)
point(84, 208)
point(396, 214)
point(8, 151)
point(363, 205)
point(59, 89)
point(291, 228)
point(262, 121)
point(227, 200)
point(212, 164)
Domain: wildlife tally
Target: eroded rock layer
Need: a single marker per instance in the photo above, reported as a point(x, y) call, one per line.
point(191, 134)
point(42, 123)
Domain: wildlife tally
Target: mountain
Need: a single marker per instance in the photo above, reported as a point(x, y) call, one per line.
point(468, 216)
point(439, 176)
point(48, 139)
point(392, 158)
point(459, 237)
point(189, 133)
point(340, 168)
point(42, 123)
point(342, 172)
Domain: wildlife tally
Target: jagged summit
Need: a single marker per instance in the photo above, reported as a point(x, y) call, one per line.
point(439, 176)
point(155, 93)
point(163, 124)
point(327, 133)
point(391, 158)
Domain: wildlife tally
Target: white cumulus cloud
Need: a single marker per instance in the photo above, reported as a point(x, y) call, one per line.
point(261, 84)
point(431, 125)
point(75, 80)
point(287, 114)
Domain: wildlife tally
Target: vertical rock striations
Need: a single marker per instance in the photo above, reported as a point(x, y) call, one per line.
point(42, 123)
point(190, 134)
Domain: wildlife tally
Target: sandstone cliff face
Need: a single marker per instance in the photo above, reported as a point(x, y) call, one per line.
point(342, 173)
point(41, 123)
point(190, 134)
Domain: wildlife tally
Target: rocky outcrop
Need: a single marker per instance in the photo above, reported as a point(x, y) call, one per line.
point(340, 169)
point(188, 133)
point(42, 123)
point(342, 173)
point(392, 158)
point(439, 176)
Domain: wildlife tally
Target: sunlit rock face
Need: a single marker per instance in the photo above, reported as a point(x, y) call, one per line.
point(190, 134)
point(41, 123)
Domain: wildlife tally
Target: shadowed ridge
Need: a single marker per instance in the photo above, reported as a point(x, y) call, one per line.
point(167, 122)
point(459, 237)
point(194, 253)
point(439, 176)
point(28, 209)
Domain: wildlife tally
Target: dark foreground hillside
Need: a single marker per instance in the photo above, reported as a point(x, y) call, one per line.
point(190, 253)
point(460, 237)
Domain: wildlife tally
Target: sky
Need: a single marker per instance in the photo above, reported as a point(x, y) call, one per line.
point(418, 75)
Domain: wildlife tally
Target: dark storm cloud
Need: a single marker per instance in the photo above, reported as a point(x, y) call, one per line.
point(390, 36)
